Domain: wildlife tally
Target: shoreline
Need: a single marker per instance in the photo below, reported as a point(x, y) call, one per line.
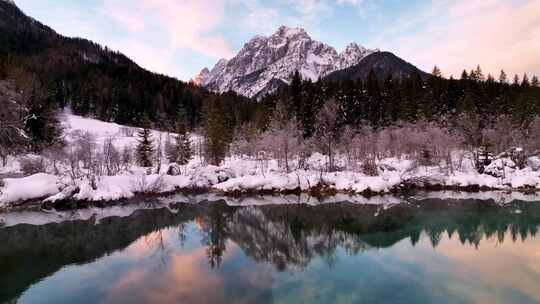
point(318, 193)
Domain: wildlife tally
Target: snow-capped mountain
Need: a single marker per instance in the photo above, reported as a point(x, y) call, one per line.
point(266, 62)
point(202, 77)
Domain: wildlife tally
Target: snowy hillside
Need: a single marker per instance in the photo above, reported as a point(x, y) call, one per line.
point(121, 136)
point(265, 60)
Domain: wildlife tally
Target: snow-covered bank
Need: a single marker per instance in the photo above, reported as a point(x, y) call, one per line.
point(231, 178)
point(242, 175)
point(95, 214)
point(27, 188)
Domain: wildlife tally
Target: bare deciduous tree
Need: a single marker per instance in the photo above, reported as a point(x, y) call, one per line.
point(283, 137)
point(327, 133)
point(245, 140)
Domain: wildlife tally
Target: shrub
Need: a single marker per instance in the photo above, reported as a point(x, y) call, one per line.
point(32, 165)
point(369, 167)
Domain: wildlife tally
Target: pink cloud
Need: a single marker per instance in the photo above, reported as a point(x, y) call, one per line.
point(187, 24)
point(497, 34)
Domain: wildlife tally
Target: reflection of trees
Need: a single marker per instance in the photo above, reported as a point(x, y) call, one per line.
point(29, 253)
point(287, 236)
point(215, 234)
point(291, 236)
point(156, 243)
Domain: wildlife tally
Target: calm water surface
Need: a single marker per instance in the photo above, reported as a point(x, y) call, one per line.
point(431, 251)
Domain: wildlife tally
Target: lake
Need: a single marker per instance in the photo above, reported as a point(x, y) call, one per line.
point(416, 251)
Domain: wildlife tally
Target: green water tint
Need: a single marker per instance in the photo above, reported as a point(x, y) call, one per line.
point(433, 251)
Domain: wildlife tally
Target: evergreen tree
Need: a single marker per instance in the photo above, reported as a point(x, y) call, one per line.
point(412, 95)
point(534, 81)
point(217, 130)
point(466, 104)
point(180, 152)
point(478, 74)
point(525, 82)
point(296, 93)
point(375, 109)
point(503, 79)
point(464, 75)
point(145, 148)
point(41, 123)
point(436, 72)
point(12, 137)
point(472, 75)
point(516, 80)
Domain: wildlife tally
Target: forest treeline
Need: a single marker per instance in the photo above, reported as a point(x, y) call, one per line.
point(91, 79)
point(475, 111)
point(47, 72)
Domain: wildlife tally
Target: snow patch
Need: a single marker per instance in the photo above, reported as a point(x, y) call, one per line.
point(26, 188)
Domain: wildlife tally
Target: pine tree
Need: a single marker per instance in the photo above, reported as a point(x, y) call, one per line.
point(296, 89)
point(503, 78)
point(180, 152)
point(41, 123)
point(525, 82)
point(535, 82)
point(183, 146)
point(375, 99)
point(464, 75)
point(217, 130)
point(466, 104)
point(472, 75)
point(436, 72)
point(145, 148)
point(170, 150)
point(12, 137)
point(516, 80)
point(479, 75)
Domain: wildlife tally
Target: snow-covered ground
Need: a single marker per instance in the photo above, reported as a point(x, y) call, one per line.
point(238, 174)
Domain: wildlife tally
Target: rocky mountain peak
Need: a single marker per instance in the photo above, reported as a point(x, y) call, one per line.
point(266, 61)
point(202, 77)
point(291, 32)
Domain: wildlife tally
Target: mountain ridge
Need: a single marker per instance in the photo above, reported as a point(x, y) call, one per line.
point(383, 64)
point(267, 60)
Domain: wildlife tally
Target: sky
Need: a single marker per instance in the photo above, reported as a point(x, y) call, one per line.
point(180, 37)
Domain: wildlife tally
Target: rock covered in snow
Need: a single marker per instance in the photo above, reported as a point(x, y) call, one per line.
point(265, 62)
point(173, 169)
point(534, 163)
point(500, 167)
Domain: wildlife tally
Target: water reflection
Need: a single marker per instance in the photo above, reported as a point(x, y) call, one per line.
point(426, 251)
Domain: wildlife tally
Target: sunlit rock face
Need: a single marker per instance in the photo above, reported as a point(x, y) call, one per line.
point(265, 63)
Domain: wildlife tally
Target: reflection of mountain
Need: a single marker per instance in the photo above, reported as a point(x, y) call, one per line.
point(287, 236)
point(293, 235)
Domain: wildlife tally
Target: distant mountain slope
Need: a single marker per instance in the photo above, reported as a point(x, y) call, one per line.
point(92, 79)
point(383, 64)
point(266, 63)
